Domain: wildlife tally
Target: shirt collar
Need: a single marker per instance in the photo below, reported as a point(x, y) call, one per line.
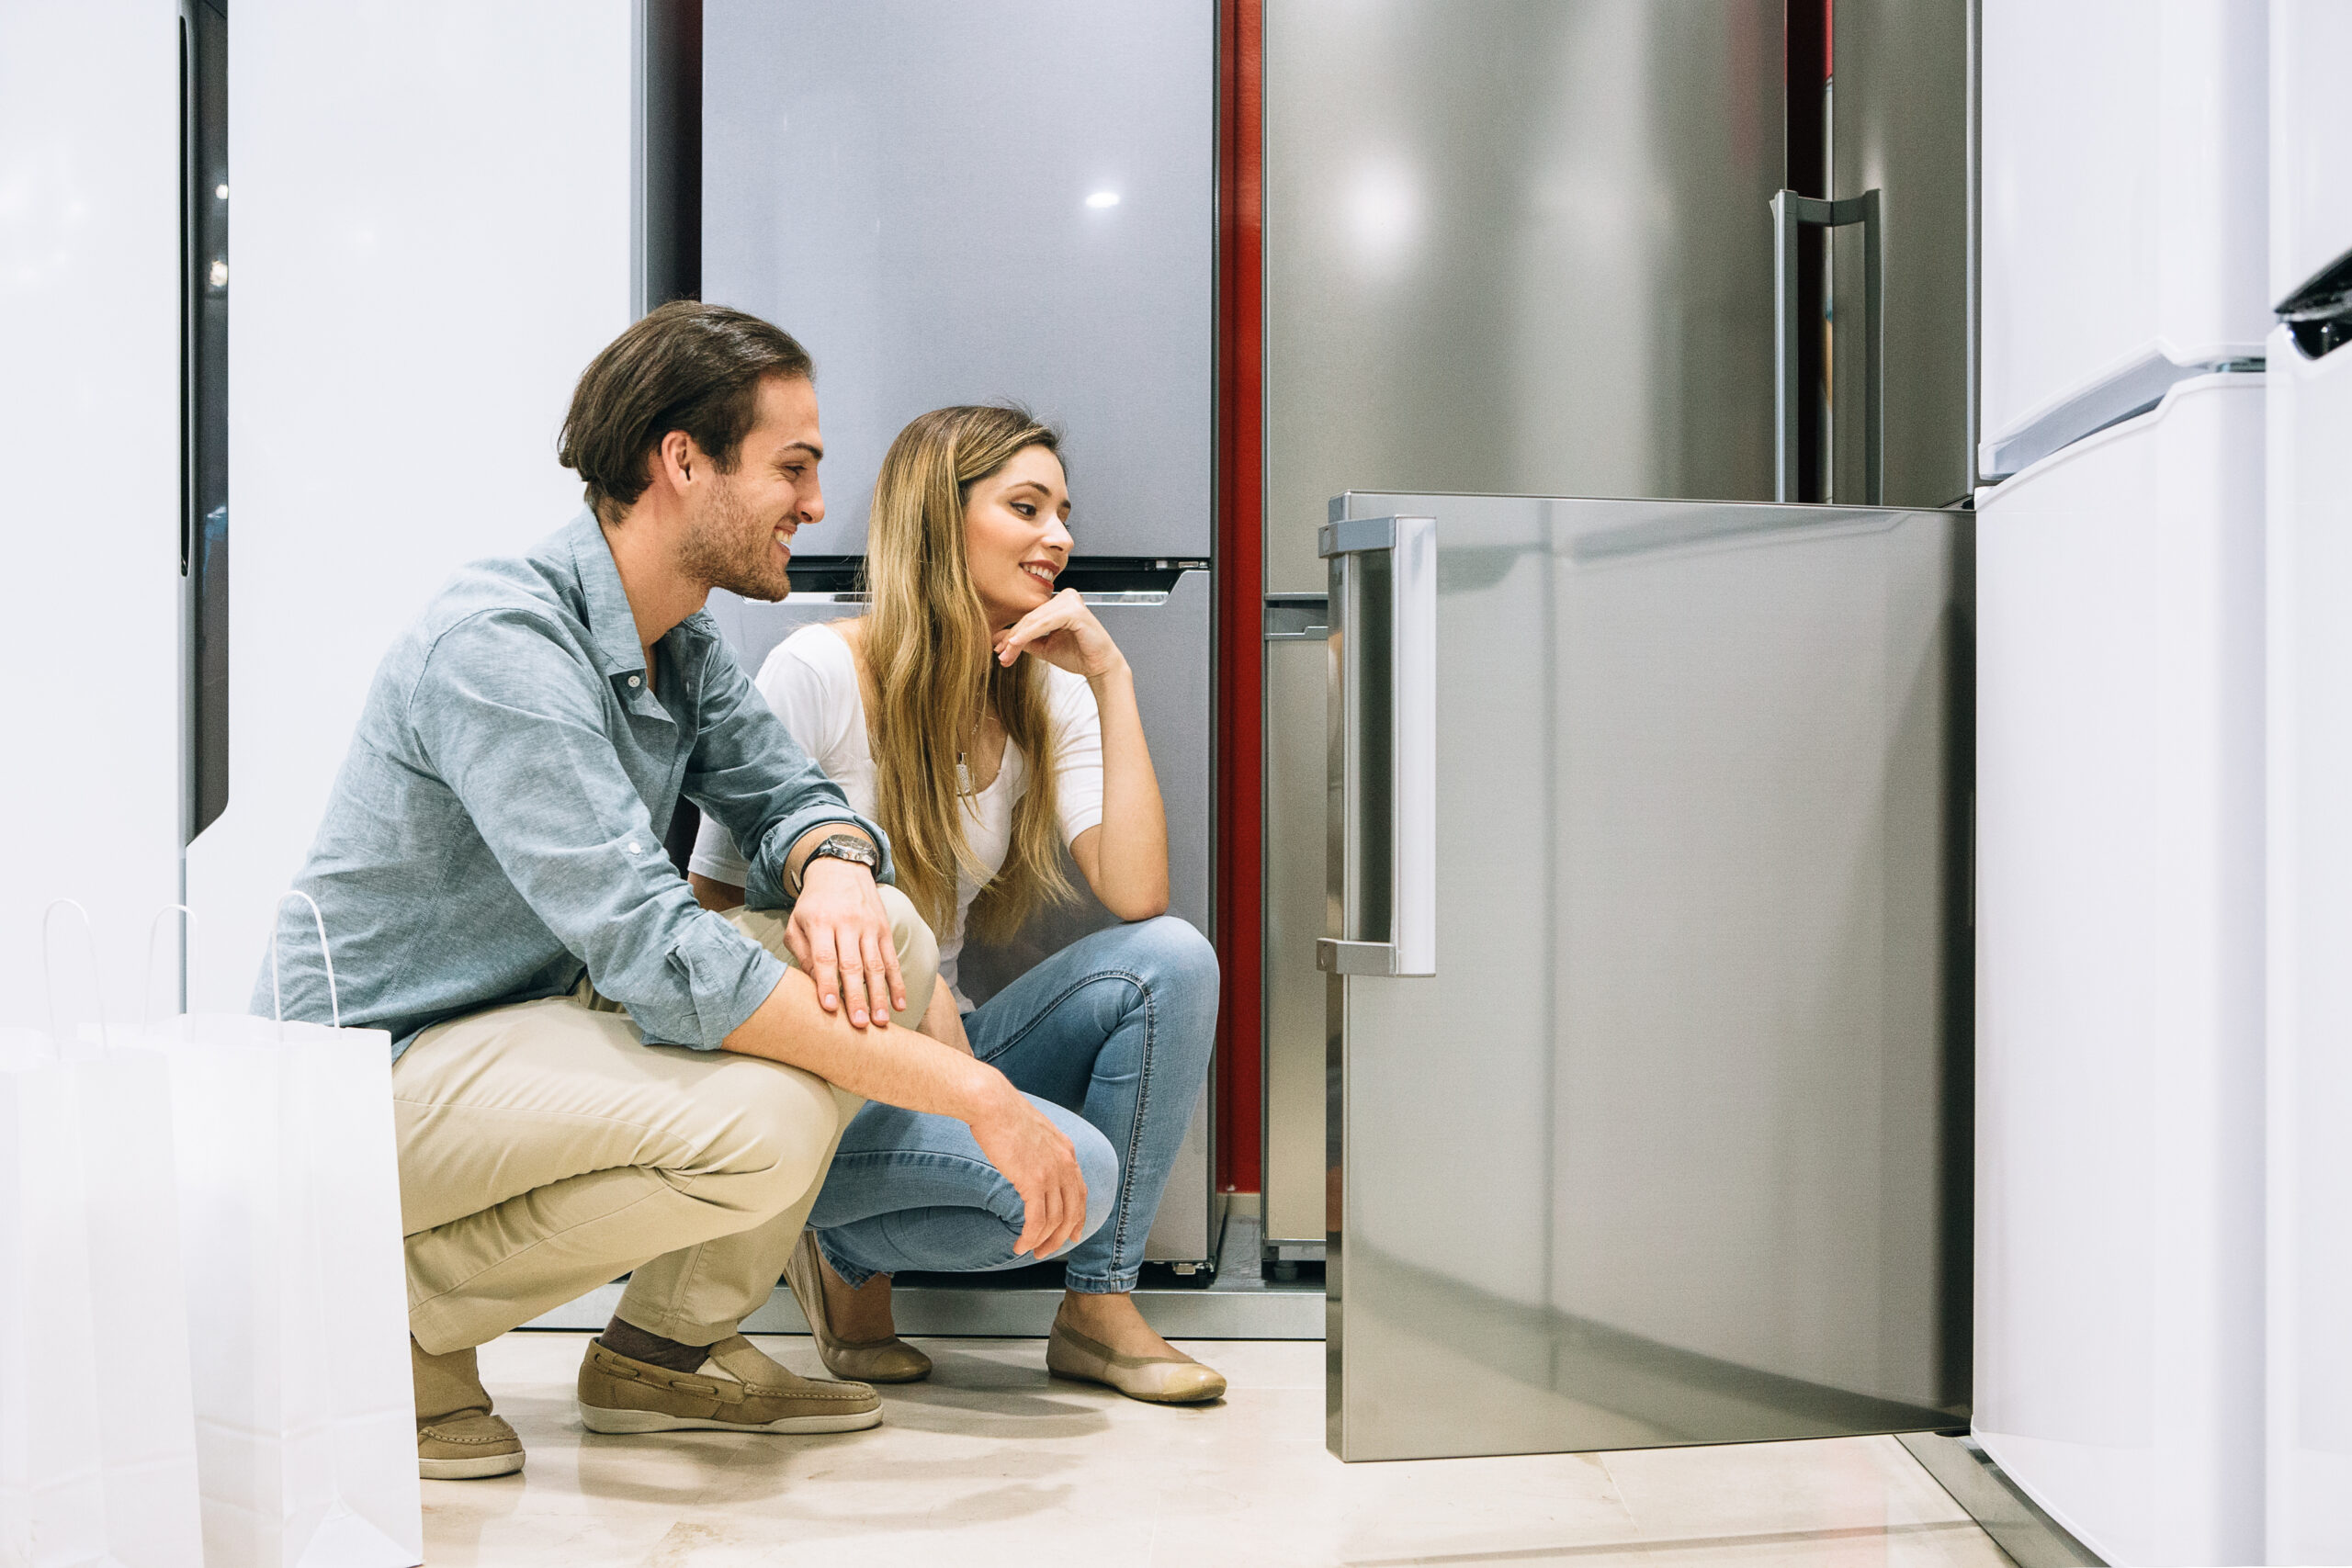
point(603, 602)
point(611, 621)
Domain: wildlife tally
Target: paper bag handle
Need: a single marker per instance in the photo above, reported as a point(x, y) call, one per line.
point(147, 982)
point(49, 983)
point(277, 1001)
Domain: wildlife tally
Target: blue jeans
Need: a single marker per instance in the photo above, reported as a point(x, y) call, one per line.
point(1110, 1039)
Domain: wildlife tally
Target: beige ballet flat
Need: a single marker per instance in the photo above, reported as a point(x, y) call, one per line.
point(1158, 1380)
point(867, 1361)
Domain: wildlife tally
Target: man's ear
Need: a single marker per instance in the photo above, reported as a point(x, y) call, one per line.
point(678, 461)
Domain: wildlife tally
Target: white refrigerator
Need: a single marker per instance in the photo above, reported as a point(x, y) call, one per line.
point(2310, 548)
point(2119, 890)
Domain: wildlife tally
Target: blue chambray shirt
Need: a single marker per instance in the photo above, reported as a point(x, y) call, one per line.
point(497, 827)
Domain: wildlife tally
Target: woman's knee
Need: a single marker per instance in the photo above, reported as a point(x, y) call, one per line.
point(1178, 966)
point(1174, 949)
point(1098, 1163)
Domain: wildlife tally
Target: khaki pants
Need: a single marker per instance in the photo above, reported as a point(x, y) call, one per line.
point(546, 1150)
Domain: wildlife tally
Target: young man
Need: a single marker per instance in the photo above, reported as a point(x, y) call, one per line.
point(592, 1074)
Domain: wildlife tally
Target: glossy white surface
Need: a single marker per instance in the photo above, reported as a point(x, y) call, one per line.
point(2311, 128)
point(2123, 192)
point(89, 436)
point(2310, 1249)
point(432, 240)
point(2120, 964)
point(992, 1463)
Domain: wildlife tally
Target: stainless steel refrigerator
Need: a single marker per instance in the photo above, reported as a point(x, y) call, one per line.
point(1663, 1136)
point(954, 203)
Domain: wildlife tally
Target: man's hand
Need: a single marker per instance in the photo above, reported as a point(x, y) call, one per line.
point(840, 936)
point(1034, 1156)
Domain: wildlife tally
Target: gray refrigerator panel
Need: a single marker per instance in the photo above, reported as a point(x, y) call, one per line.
point(1164, 638)
point(1294, 915)
point(957, 203)
point(1521, 246)
point(1672, 1146)
point(1900, 127)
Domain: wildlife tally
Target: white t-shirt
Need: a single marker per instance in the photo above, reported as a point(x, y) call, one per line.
point(810, 680)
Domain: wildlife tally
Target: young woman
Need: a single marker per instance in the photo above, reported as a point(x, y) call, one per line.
point(986, 721)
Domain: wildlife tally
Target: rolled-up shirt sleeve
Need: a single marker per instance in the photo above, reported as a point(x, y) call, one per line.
point(751, 777)
point(512, 723)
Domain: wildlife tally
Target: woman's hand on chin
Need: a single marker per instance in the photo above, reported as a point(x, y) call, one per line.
point(1064, 633)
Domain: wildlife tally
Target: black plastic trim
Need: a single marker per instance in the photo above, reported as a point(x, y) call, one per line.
point(2319, 314)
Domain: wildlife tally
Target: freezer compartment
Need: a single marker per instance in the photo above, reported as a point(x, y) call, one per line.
point(1672, 1145)
point(873, 210)
point(2124, 201)
point(1159, 615)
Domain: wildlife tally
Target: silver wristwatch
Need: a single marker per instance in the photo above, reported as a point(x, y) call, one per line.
point(842, 846)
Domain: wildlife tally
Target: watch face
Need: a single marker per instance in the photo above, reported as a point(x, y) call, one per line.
point(850, 848)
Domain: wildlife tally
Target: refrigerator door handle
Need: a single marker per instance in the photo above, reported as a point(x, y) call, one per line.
point(1383, 653)
point(1791, 211)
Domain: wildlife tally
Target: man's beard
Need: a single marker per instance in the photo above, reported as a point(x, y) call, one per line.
point(728, 548)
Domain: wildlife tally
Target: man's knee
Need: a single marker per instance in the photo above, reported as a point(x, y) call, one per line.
point(771, 1137)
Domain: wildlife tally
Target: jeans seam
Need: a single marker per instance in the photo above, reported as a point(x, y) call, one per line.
point(1134, 1128)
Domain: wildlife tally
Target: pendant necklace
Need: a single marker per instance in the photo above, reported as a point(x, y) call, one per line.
point(963, 775)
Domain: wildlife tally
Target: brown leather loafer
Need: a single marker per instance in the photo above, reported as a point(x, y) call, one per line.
point(737, 1390)
point(457, 1438)
point(869, 1361)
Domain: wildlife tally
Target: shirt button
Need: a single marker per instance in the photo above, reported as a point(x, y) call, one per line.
point(632, 846)
point(634, 682)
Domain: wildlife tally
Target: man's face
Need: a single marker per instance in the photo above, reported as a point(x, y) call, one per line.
point(741, 537)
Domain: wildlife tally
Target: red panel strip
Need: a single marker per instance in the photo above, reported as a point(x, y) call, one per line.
point(1240, 555)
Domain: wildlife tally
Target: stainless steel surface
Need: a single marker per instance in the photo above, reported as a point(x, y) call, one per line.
point(2015, 1521)
point(959, 203)
point(1520, 245)
point(1292, 1027)
point(1384, 584)
point(1901, 127)
point(1672, 1149)
point(1165, 643)
point(1238, 1302)
point(1791, 211)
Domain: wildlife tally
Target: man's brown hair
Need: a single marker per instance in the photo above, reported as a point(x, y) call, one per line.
point(685, 366)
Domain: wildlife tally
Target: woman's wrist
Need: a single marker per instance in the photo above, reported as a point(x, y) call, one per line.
point(1119, 671)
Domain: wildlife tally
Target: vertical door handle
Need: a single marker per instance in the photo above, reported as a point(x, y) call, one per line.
point(1382, 652)
point(1789, 211)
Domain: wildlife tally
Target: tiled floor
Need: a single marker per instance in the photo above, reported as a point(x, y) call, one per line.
point(992, 1463)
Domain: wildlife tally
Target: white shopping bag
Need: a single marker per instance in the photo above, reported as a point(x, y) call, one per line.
point(298, 1302)
point(97, 1439)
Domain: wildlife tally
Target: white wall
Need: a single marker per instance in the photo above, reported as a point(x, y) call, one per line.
point(430, 237)
point(89, 445)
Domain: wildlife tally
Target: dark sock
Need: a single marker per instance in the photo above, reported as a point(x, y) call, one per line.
point(629, 1339)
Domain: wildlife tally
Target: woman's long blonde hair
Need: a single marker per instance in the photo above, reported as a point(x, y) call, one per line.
point(930, 657)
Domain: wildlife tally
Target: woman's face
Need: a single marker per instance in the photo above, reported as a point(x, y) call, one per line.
point(1016, 534)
